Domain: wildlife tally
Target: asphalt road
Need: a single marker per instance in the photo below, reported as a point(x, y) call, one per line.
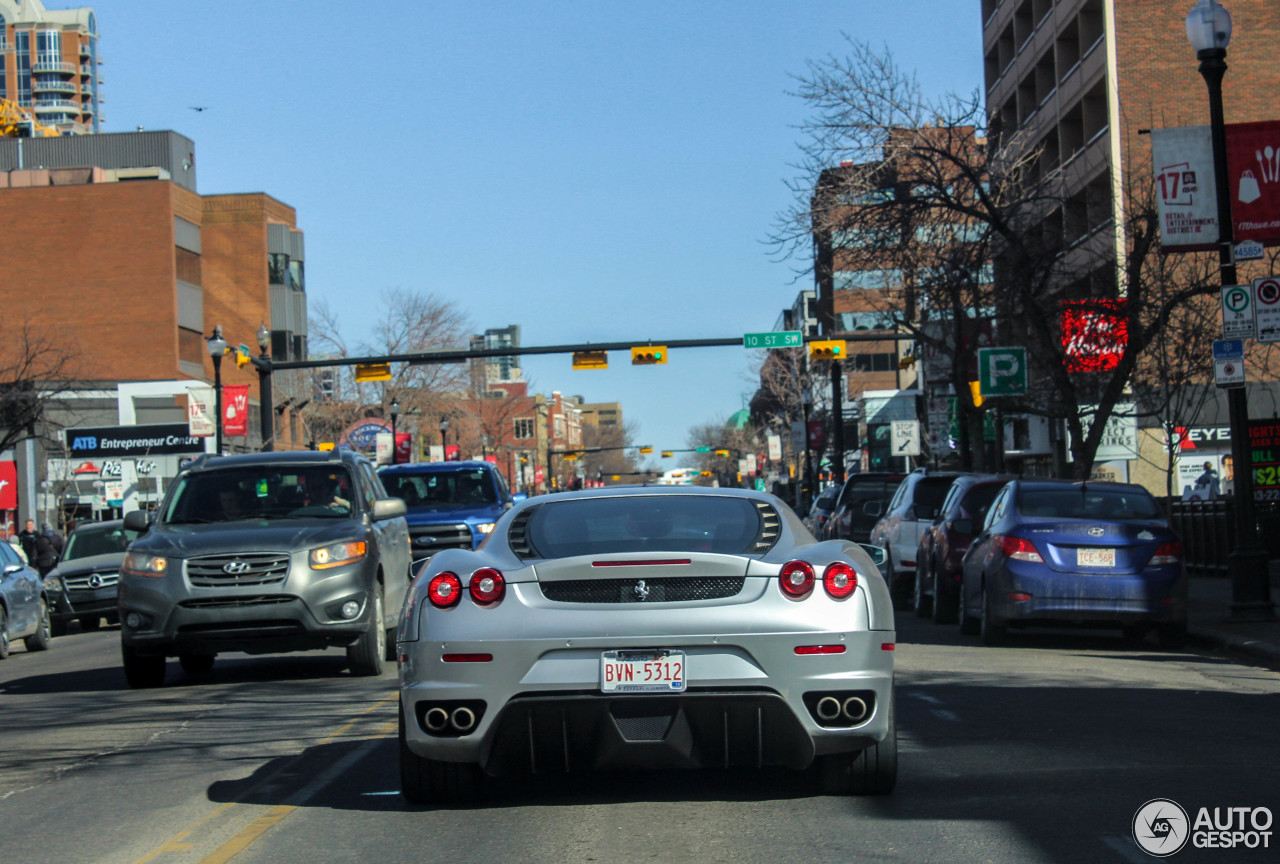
point(1042, 751)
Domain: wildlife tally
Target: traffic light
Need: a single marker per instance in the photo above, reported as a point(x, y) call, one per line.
point(647, 355)
point(646, 449)
point(243, 356)
point(975, 387)
point(373, 372)
point(832, 349)
point(707, 474)
point(724, 453)
point(667, 454)
point(590, 360)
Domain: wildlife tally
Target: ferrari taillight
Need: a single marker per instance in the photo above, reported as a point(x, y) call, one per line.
point(444, 590)
point(796, 579)
point(839, 579)
point(487, 586)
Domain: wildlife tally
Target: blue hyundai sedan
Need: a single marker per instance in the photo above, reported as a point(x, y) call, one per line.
point(1056, 552)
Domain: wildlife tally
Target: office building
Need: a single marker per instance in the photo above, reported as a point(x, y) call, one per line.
point(49, 64)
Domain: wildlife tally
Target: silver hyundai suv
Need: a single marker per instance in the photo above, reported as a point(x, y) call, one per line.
point(261, 553)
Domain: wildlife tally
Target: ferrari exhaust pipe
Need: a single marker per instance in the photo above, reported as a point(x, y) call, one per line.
point(828, 708)
point(854, 709)
point(436, 719)
point(463, 719)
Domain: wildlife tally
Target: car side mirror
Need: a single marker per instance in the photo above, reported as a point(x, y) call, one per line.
point(877, 554)
point(388, 508)
point(962, 526)
point(137, 520)
point(872, 508)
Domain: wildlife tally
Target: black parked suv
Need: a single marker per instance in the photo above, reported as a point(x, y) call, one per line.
point(261, 553)
point(82, 586)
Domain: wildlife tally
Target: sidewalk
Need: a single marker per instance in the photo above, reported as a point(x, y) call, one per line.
point(1208, 626)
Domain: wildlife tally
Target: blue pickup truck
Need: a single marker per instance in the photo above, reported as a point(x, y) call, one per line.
point(451, 505)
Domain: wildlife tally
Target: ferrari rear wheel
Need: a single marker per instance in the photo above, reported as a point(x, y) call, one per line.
point(430, 781)
point(873, 771)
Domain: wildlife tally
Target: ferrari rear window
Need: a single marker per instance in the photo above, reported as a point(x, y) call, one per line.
point(644, 523)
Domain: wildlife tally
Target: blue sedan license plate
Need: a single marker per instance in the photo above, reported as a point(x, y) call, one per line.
point(661, 671)
point(1087, 557)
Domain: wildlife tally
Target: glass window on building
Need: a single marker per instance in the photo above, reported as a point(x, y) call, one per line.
point(277, 267)
point(524, 427)
point(854, 280)
point(295, 276)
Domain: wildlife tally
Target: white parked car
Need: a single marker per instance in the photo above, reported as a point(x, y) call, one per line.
point(912, 509)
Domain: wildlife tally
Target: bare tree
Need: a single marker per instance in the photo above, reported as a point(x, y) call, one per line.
point(36, 371)
point(979, 224)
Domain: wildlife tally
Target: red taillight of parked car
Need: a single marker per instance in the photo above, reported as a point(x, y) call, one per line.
point(444, 590)
point(839, 579)
point(487, 586)
point(1166, 553)
point(796, 579)
point(1020, 549)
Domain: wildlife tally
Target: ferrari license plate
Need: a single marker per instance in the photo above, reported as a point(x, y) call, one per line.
point(1096, 557)
point(660, 671)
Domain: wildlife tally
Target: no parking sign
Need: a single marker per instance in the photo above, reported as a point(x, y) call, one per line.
point(1266, 293)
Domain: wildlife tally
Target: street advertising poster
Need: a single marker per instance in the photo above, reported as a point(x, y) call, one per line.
point(775, 447)
point(362, 434)
point(384, 448)
point(404, 447)
point(1264, 458)
point(1186, 192)
point(235, 410)
point(1253, 166)
point(1182, 158)
point(1094, 334)
point(1119, 437)
point(200, 408)
point(8, 484)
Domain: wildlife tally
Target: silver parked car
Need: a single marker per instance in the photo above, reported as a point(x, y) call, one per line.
point(24, 606)
point(643, 627)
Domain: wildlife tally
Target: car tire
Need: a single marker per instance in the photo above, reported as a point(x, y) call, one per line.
point(196, 664)
point(899, 588)
point(141, 671)
point(39, 640)
point(90, 622)
point(992, 634)
point(921, 603)
point(366, 653)
point(4, 633)
point(873, 771)
point(968, 623)
point(1171, 637)
point(944, 608)
point(58, 627)
point(430, 781)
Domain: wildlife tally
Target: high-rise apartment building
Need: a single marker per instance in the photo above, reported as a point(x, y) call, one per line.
point(1080, 81)
point(49, 64)
point(494, 370)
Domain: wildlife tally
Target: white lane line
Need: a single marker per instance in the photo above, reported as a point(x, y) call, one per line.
point(1126, 849)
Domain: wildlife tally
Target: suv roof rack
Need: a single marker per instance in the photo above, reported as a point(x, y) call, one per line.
point(199, 461)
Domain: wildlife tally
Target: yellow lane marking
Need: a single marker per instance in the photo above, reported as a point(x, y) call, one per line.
point(258, 827)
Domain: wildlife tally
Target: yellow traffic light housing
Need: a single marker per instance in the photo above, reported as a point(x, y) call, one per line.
point(646, 449)
point(831, 349)
point(647, 355)
point(724, 453)
point(590, 360)
point(243, 357)
point(975, 387)
point(373, 372)
point(667, 454)
point(707, 474)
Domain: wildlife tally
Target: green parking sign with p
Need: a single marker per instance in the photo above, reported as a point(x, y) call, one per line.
point(1002, 371)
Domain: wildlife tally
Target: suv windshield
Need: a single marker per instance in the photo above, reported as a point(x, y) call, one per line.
point(447, 490)
point(97, 540)
point(260, 492)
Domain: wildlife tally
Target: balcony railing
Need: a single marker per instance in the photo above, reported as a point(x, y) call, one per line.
point(53, 87)
point(48, 66)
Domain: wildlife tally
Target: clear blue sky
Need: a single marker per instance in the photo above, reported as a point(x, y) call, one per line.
point(593, 171)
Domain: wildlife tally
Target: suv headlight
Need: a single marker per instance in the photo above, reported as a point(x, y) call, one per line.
point(338, 554)
point(138, 564)
point(52, 583)
point(485, 527)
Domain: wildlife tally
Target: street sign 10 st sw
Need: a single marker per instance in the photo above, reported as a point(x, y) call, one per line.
point(780, 339)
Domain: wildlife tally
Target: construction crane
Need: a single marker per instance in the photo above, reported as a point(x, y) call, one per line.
point(17, 122)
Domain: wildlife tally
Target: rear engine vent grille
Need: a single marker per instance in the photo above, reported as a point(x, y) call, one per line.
point(663, 590)
point(518, 534)
point(770, 528)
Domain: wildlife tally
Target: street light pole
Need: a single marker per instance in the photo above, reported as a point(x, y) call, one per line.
point(806, 399)
point(217, 347)
point(395, 413)
point(1209, 31)
point(265, 407)
point(444, 447)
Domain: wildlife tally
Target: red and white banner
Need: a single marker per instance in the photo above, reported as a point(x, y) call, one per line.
point(200, 410)
point(1186, 190)
point(235, 410)
point(404, 447)
point(1094, 334)
point(8, 484)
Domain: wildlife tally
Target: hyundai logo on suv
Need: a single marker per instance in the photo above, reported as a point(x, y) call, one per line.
point(236, 566)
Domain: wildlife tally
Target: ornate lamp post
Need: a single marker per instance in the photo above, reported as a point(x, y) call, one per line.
point(444, 428)
point(1209, 31)
point(395, 414)
point(217, 347)
point(265, 407)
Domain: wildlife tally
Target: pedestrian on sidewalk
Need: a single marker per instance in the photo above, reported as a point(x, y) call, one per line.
point(48, 549)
